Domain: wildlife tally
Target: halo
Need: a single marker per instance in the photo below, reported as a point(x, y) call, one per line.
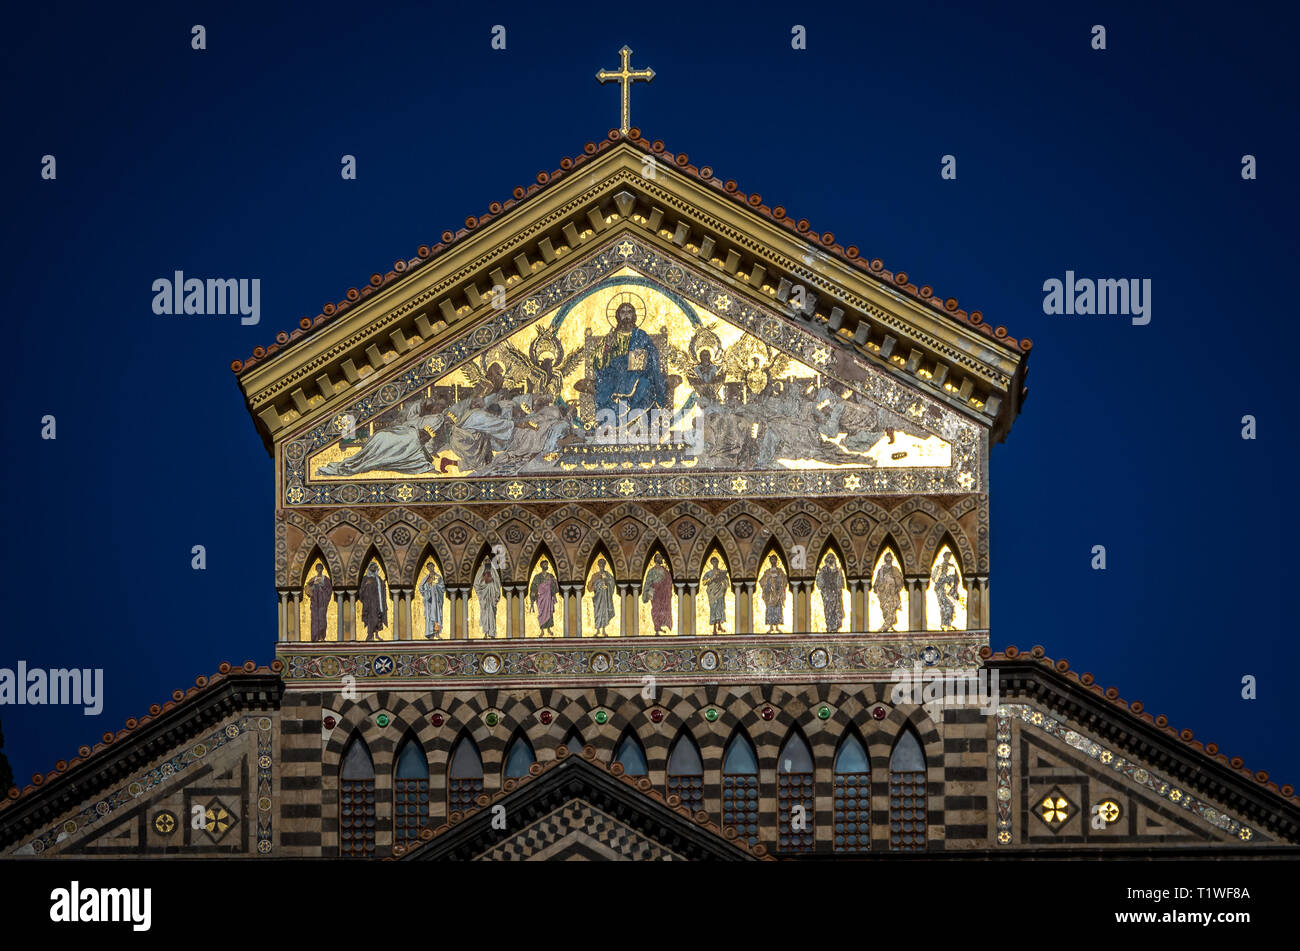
point(704, 339)
point(624, 297)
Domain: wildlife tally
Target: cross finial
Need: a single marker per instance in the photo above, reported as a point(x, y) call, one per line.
point(625, 76)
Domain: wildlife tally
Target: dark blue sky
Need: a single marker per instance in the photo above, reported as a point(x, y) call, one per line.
point(1122, 163)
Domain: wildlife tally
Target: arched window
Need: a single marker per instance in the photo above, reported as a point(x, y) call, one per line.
point(795, 798)
point(374, 604)
point(574, 741)
point(686, 772)
point(357, 800)
point(317, 614)
point(907, 800)
point(519, 756)
point(945, 598)
point(740, 787)
point(852, 796)
point(631, 754)
point(410, 792)
point(464, 776)
point(887, 607)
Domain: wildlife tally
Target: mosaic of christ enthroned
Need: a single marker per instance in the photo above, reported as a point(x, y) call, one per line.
point(630, 375)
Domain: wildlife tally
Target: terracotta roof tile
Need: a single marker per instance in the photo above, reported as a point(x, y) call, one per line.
point(802, 226)
point(179, 697)
point(1137, 708)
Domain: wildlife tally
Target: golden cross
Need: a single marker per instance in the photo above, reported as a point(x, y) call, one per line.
point(625, 77)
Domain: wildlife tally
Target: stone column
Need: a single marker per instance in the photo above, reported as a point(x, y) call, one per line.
point(572, 610)
point(626, 614)
point(346, 618)
point(744, 619)
point(802, 621)
point(916, 603)
point(689, 611)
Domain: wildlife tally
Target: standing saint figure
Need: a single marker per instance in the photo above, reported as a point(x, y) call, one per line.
point(716, 581)
point(488, 588)
point(889, 589)
point(374, 602)
point(659, 592)
point(774, 584)
point(432, 589)
point(319, 591)
point(601, 587)
point(545, 589)
point(946, 582)
point(831, 584)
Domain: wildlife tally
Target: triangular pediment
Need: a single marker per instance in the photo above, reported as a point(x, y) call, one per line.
point(632, 373)
point(576, 809)
point(672, 210)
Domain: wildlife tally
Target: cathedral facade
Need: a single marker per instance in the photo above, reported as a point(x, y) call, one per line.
point(638, 519)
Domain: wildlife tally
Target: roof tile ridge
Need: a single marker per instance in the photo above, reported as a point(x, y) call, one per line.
point(1136, 707)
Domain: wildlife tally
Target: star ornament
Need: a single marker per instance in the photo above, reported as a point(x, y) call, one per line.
point(626, 248)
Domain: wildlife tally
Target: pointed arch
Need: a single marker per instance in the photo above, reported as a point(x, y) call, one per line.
point(715, 601)
point(410, 790)
point(601, 610)
point(631, 754)
point(543, 604)
point(318, 613)
point(740, 786)
point(686, 770)
point(774, 598)
point(573, 740)
point(830, 607)
point(945, 593)
point(852, 791)
point(464, 774)
point(908, 802)
point(375, 614)
point(657, 606)
point(796, 799)
point(357, 799)
point(487, 607)
point(429, 615)
point(887, 603)
point(519, 756)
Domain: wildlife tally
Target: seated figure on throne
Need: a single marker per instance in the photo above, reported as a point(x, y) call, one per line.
point(628, 377)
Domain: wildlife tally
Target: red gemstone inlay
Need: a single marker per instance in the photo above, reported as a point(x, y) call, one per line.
point(657, 715)
point(330, 723)
point(767, 713)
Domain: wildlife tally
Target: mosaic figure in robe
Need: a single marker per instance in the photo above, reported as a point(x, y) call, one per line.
point(716, 581)
point(487, 586)
point(374, 602)
point(659, 592)
point(319, 591)
point(432, 589)
point(888, 585)
point(946, 583)
point(774, 584)
point(542, 596)
point(601, 587)
point(629, 379)
point(830, 583)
